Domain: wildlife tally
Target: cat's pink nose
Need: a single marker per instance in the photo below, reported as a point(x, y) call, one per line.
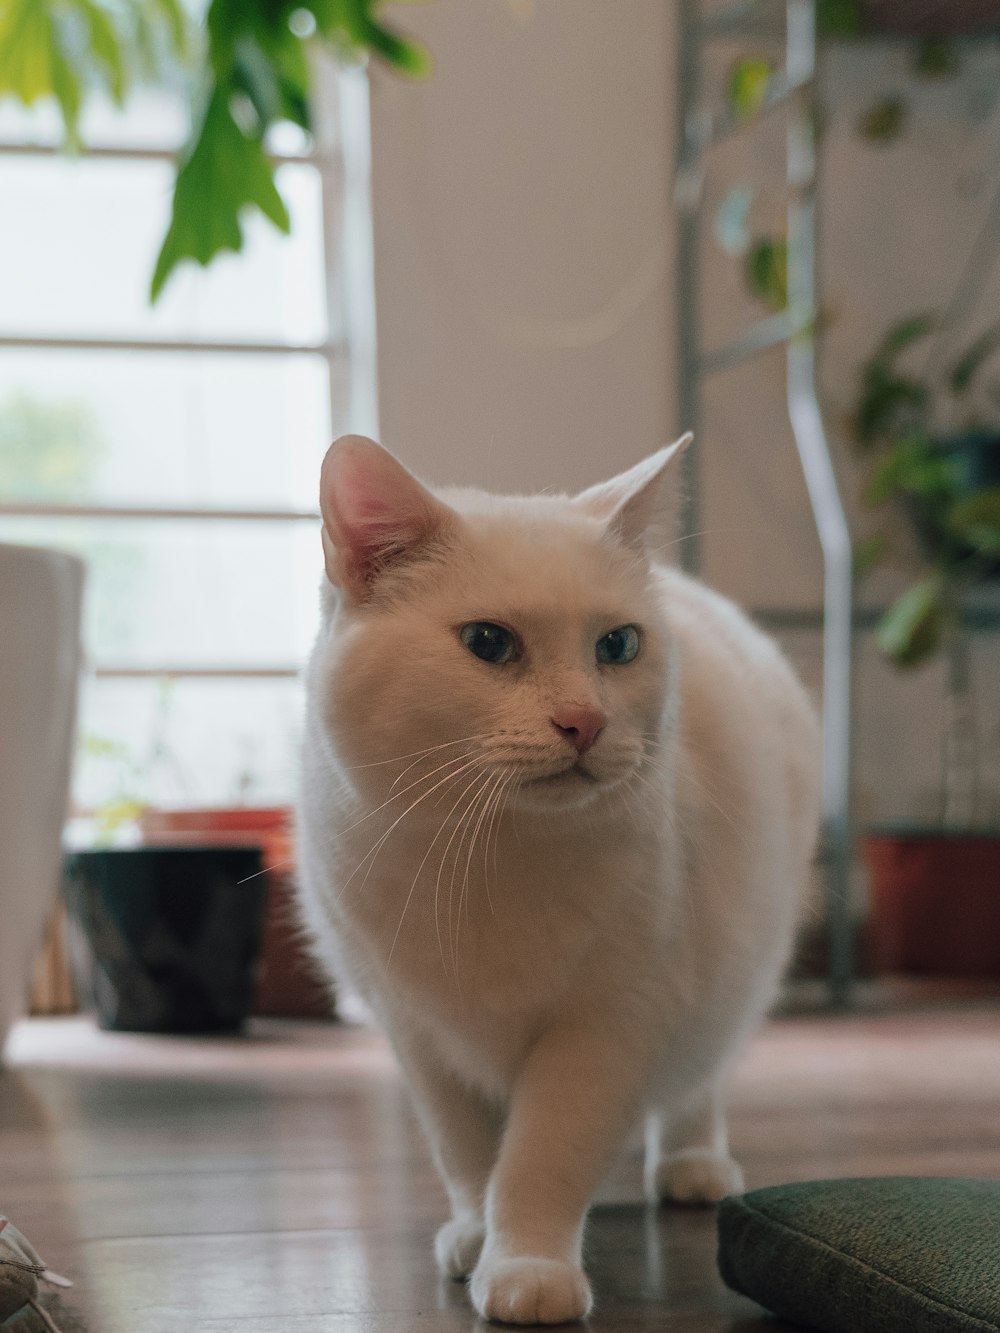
point(580, 724)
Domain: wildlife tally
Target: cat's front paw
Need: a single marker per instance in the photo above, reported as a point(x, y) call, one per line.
point(530, 1291)
point(696, 1175)
point(457, 1245)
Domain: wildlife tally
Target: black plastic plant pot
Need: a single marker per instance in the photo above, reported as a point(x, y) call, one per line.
point(166, 939)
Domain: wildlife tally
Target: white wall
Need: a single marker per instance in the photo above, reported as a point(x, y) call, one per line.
point(518, 194)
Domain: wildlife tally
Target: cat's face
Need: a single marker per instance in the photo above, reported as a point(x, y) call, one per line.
point(484, 643)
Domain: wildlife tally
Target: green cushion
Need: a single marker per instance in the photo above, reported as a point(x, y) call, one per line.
point(869, 1255)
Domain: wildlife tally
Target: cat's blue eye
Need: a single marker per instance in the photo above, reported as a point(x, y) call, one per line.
point(618, 647)
point(489, 642)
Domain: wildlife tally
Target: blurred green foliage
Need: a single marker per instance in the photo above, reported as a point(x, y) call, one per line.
point(946, 481)
point(884, 120)
point(747, 85)
point(51, 451)
point(246, 67)
point(766, 270)
point(48, 449)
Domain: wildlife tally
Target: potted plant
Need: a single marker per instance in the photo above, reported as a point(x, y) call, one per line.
point(933, 439)
point(288, 982)
point(170, 911)
point(166, 939)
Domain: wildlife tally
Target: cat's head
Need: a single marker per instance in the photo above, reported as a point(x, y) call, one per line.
point(475, 642)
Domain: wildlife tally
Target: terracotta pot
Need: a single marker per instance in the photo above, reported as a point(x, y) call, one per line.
point(931, 18)
point(236, 824)
point(289, 984)
point(935, 902)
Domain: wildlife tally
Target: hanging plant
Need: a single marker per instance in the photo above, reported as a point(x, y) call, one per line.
point(766, 269)
point(246, 68)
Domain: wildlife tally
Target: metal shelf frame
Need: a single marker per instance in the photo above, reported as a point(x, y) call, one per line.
point(697, 131)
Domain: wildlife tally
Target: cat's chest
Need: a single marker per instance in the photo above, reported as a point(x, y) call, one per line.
point(489, 938)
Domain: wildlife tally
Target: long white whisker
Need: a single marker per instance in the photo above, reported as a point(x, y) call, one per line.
point(398, 758)
point(414, 764)
point(498, 796)
point(409, 787)
point(448, 777)
point(686, 537)
point(484, 809)
point(466, 817)
point(709, 795)
point(508, 797)
point(416, 877)
point(444, 782)
point(444, 860)
point(444, 857)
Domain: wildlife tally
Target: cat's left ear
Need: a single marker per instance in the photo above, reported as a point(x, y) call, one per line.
point(634, 501)
point(375, 514)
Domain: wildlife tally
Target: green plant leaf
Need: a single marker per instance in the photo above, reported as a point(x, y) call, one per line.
point(115, 815)
point(259, 76)
point(106, 46)
point(838, 18)
point(891, 403)
point(966, 368)
point(162, 39)
point(888, 404)
point(351, 26)
point(884, 120)
point(276, 82)
point(225, 172)
point(902, 334)
point(746, 87)
point(935, 58)
point(33, 63)
point(174, 19)
point(983, 507)
point(975, 520)
point(868, 554)
point(915, 467)
point(913, 627)
point(62, 48)
point(766, 268)
point(985, 540)
point(102, 747)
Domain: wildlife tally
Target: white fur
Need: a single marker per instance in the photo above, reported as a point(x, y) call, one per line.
point(554, 961)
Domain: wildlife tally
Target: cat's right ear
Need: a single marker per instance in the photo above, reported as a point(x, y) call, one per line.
point(633, 503)
point(375, 513)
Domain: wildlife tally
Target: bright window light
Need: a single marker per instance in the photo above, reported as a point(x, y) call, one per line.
point(221, 398)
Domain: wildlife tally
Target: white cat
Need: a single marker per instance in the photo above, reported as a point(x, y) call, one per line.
point(557, 809)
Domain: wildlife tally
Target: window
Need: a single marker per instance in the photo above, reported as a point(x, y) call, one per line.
point(177, 448)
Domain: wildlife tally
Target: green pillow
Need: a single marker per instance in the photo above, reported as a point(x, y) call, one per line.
point(881, 1255)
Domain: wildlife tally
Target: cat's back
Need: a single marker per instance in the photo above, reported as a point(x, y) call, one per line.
point(744, 710)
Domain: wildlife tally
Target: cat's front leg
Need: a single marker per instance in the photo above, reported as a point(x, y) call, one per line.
point(463, 1130)
point(573, 1103)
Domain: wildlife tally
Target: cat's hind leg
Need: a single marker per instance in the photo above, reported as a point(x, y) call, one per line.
point(687, 1153)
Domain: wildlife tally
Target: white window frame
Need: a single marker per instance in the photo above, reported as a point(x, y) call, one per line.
point(341, 161)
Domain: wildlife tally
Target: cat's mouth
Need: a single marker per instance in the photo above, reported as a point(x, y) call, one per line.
point(573, 773)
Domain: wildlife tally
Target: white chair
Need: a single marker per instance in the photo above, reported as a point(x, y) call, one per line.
point(40, 601)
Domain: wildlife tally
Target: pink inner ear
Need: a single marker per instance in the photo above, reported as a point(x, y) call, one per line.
point(368, 500)
point(372, 507)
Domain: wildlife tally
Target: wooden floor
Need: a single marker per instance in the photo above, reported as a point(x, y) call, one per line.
point(279, 1183)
